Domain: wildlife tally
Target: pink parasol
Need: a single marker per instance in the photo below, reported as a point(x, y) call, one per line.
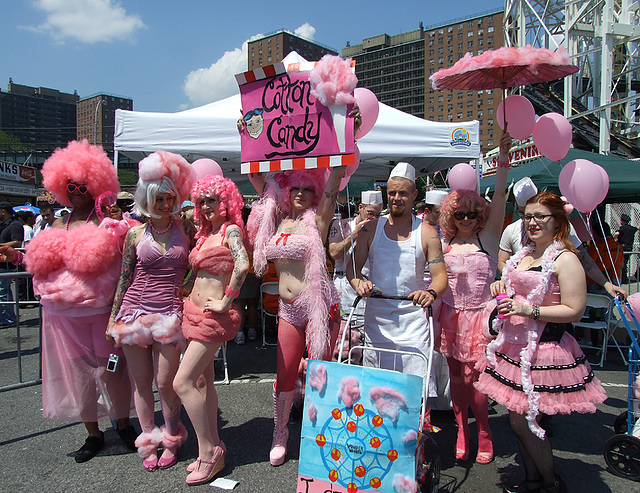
point(505, 67)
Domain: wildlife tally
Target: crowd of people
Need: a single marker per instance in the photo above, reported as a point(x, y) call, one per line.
point(135, 292)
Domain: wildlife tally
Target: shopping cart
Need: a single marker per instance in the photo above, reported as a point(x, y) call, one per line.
point(622, 451)
point(427, 470)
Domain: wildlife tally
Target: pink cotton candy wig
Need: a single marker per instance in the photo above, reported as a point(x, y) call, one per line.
point(462, 200)
point(163, 164)
point(83, 164)
point(333, 81)
point(231, 202)
point(313, 178)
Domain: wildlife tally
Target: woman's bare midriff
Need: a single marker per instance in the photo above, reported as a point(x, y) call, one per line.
point(290, 278)
point(208, 286)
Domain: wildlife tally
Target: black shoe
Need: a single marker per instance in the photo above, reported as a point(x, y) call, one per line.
point(92, 445)
point(528, 486)
point(128, 436)
point(559, 486)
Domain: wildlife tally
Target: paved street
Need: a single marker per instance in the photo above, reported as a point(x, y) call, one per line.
point(33, 450)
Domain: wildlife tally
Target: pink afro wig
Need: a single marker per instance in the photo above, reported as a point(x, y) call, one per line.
point(462, 200)
point(163, 164)
point(83, 164)
point(231, 202)
point(313, 178)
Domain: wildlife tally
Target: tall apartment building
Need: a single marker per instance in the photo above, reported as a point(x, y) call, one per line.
point(42, 118)
point(393, 67)
point(96, 118)
point(445, 45)
point(273, 47)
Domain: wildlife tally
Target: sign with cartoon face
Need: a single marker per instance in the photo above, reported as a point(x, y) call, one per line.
point(359, 429)
point(286, 127)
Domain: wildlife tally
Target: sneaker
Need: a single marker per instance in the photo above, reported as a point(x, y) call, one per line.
point(239, 338)
point(252, 335)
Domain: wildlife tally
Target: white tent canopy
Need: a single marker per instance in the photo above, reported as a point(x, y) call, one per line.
point(210, 131)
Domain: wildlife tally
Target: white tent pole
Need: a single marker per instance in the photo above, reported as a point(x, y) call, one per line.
point(115, 159)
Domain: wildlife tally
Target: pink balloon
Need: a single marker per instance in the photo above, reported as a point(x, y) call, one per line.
point(206, 166)
point(552, 135)
point(462, 177)
point(351, 169)
point(369, 109)
point(584, 183)
point(521, 117)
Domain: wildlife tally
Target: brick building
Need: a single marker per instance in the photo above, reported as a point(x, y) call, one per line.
point(273, 47)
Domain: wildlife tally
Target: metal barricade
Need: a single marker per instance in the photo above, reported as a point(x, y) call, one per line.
point(632, 283)
point(6, 355)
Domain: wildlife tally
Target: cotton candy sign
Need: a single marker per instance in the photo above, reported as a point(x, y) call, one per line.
point(359, 429)
point(286, 126)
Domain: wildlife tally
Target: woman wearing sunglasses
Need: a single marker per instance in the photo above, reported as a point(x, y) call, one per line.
point(471, 234)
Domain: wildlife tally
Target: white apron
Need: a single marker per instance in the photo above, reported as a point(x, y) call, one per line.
point(347, 293)
point(397, 267)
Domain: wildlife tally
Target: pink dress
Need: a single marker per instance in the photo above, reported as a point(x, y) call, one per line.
point(560, 372)
point(464, 312)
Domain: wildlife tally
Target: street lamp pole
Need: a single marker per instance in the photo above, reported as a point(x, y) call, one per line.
point(95, 122)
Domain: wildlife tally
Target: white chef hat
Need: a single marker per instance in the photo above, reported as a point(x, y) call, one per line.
point(404, 170)
point(435, 197)
point(371, 197)
point(523, 190)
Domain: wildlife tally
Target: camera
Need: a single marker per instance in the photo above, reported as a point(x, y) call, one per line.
point(112, 364)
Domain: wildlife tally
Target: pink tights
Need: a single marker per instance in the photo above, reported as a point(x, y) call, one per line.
point(464, 395)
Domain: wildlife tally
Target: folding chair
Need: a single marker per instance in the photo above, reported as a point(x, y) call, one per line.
point(267, 288)
point(223, 350)
point(599, 316)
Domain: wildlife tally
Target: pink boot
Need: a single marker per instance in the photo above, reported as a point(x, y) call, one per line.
point(281, 407)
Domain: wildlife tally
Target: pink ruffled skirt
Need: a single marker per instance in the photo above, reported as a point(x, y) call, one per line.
point(143, 330)
point(463, 333)
point(207, 326)
point(560, 373)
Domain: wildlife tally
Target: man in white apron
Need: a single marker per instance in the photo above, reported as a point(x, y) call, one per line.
point(398, 249)
point(343, 236)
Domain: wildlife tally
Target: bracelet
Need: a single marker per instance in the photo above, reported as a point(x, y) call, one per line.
point(535, 312)
point(433, 293)
point(19, 258)
point(503, 164)
point(231, 293)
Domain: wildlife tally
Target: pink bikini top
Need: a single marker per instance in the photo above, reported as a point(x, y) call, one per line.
point(216, 260)
point(289, 246)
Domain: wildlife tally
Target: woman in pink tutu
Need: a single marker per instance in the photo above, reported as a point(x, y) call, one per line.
point(75, 266)
point(534, 366)
point(220, 264)
point(471, 235)
point(146, 318)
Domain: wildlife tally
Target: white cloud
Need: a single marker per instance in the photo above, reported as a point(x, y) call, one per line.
point(217, 81)
point(306, 30)
point(88, 21)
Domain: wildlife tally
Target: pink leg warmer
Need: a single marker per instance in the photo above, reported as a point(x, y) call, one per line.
point(147, 442)
point(173, 441)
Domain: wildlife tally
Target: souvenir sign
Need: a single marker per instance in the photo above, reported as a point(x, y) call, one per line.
point(287, 127)
point(359, 429)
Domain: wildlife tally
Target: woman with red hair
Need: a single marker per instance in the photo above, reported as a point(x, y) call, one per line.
point(146, 318)
point(75, 266)
point(471, 235)
point(220, 263)
point(535, 366)
point(289, 225)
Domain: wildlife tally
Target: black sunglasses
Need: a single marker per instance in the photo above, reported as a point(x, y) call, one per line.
point(460, 215)
point(72, 187)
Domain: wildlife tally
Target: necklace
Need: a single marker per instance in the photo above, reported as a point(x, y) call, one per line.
point(71, 215)
point(161, 231)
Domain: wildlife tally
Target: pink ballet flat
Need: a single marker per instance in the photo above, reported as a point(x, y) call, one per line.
point(205, 470)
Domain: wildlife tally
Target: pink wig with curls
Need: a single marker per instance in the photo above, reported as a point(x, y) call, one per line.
point(83, 164)
point(231, 202)
point(462, 200)
point(312, 178)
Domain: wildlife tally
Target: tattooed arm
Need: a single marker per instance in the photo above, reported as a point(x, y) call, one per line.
point(327, 206)
point(129, 260)
point(432, 247)
point(233, 241)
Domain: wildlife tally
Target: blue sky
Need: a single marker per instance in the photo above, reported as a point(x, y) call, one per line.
point(171, 55)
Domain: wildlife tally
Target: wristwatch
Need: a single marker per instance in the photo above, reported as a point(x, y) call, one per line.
point(433, 293)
